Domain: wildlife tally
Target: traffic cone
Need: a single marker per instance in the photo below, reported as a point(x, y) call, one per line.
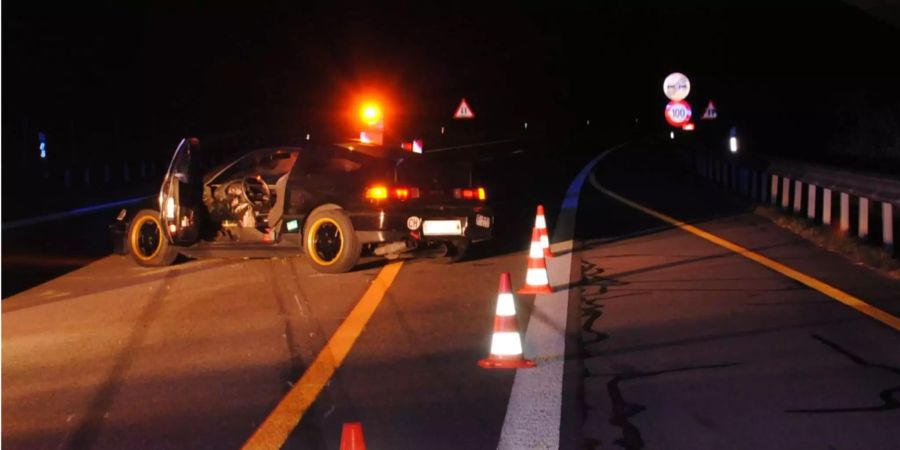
point(352, 437)
point(536, 279)
point(506, 343)
point(541, 224)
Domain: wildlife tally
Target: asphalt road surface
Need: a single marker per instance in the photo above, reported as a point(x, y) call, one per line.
point(670, 341)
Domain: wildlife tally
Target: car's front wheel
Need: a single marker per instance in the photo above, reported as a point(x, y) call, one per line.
point(147, 243)
point(330, 242)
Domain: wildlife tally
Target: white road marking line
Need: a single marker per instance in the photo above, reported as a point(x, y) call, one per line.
point(535, 403)
point(534, 412)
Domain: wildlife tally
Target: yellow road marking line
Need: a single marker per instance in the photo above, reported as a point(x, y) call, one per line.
point(831, 291)
point(274, 431)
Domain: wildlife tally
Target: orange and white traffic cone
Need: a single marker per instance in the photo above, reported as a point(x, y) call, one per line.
point(536, 279)
point(352, 437)
point(506, 342)
point(541, 224)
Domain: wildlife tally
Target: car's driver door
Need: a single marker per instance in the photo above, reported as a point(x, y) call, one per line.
point(180, 194)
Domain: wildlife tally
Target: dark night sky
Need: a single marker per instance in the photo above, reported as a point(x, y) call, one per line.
point(97, 75)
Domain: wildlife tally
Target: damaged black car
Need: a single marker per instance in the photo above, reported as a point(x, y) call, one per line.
point(334, 203)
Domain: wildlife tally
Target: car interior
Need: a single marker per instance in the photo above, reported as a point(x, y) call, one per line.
point(246, 200)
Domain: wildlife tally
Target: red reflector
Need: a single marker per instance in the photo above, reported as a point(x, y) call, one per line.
point(470, 193)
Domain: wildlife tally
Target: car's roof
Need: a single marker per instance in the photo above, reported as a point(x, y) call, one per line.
point(367, 150)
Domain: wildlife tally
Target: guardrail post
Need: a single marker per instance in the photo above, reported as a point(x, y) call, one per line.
point(762, 185)
point(863, 217)
point(845, 212)
point(785, 192)
point(798, 196)
point(887, 226)
point(773, 193)
point(826, 206)
point(811, 202)
point(752, 184)
point(743, 181)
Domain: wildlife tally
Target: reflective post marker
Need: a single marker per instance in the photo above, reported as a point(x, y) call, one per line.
point(785, 192)
point(863, 217)
point(887, 226)
point(826, 206)
point(811, 202)
point(845, 212)
point(798, 196)
point(773, 193)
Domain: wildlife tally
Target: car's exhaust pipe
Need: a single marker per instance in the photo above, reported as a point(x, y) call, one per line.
point(395, 248)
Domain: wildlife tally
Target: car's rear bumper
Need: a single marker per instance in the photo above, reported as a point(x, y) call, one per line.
point(476, 224)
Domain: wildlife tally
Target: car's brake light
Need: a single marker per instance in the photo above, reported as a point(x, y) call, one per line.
point(377, 193)
point(397, 192)
point(470, 193)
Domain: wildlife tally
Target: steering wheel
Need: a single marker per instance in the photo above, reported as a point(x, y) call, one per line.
point(256, 192)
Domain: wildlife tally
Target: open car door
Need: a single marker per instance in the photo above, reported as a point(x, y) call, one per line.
point(180, 195)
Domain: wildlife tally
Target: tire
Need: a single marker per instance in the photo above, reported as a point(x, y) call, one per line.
point(330, 242)
point(146, 242)
point(457, 251)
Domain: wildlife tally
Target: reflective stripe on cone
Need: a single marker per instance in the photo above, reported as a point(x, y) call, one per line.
point(536, 279)
point(506, 342)
point(541, 224)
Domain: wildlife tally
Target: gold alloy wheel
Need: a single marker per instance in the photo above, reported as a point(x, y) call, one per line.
point(325, 241)
point(146, 238)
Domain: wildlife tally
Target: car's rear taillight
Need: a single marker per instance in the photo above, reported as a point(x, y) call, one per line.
point(397, 192)
point(470, 193)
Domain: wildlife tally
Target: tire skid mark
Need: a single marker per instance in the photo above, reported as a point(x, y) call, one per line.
point(295, 365)
point(889, 401)
point(89, 429)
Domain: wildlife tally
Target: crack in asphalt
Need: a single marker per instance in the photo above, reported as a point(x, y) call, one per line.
point(622, 410)
point(888, 401)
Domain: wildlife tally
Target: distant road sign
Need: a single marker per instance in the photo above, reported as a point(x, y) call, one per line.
point(677, 86)
point(463, 111)
point(678, 113)
point(710, 112)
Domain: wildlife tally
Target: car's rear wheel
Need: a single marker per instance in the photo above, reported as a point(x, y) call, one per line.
point(330, 242)
point(146, 242)
point(456, 251)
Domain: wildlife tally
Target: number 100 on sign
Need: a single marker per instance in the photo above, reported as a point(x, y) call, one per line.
point(678, 113)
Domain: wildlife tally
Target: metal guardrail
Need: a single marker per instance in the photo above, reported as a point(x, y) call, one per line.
point(874, 187)
point(808, 189)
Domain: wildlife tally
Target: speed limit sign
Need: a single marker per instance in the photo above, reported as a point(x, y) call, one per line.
point(678, 113)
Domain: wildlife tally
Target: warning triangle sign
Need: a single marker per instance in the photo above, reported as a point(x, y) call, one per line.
point(463, 111)
point(710, 112)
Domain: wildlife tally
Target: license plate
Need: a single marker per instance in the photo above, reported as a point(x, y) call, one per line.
point(482, 221)
point(442, 228)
